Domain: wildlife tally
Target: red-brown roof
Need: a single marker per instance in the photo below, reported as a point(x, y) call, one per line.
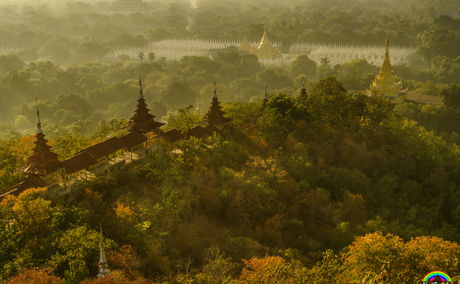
point(132, 139)
point(172, 135)
point(415, 97)
point(78, 162)
point(31, 181)
point(104, 148)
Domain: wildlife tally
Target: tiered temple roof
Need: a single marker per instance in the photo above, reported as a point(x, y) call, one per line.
point(215, 114)
point(142, 121)
point(386, 84)
point(43, 161)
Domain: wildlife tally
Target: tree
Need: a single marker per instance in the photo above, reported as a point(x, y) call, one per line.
point(178, 95)
point(32, 276)
point(151, 57)
point(303, 65)
point(451, 95)
point(437, 41)
point(141, 56)
point(275, 77)
point(272, 269)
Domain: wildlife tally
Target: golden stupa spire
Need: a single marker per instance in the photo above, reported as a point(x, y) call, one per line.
point(386, 84)
point(265, 41)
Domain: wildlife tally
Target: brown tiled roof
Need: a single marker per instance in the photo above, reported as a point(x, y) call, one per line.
point(104, 148)
point(132, 139)
point(197, 132)
point(172, 135)
point(415, 97)
point(78, 162)
point(200, 131)
point(31, 181)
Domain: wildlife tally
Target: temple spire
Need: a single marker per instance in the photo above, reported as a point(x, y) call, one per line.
point(386, 84)
point(42, 161)
point(141, 91)
point(215, 114)
point(142, 121)
point(387, 49)
point(103, 267)
point(39, 123)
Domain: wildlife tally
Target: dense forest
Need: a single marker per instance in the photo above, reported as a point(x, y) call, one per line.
point(318, 185)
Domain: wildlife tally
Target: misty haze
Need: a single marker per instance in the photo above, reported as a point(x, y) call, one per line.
point(229, 141)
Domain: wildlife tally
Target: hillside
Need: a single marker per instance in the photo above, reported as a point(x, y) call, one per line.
point(288, 187)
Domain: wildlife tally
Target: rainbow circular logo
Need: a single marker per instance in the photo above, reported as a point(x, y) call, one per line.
point(437, 277)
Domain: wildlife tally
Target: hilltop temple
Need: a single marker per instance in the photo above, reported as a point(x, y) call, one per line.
point(386, 84)
point(264, 50)
point(143, 134)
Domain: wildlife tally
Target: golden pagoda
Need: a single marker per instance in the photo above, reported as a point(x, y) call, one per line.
point(264, 50)
point(386, 84)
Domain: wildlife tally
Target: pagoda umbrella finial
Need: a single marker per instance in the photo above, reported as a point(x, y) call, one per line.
point(387, 48)
point(215, 89)
point(141, 91)
point(39, 123)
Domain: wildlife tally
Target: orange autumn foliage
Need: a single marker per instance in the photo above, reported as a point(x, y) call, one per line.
point(42, 276)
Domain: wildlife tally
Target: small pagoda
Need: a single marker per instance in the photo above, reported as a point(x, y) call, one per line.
point(43, 162)
point(142, 121)
point(103, 266)
point(215, 115)
point(386, 84)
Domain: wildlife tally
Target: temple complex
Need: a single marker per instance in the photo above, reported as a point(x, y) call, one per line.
point(386, 84)
point(43, 163)
point(264, 50)
point(44, 169)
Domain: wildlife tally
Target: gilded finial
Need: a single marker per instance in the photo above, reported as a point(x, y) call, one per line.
point(387, 48)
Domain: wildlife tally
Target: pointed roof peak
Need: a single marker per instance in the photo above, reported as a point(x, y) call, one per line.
point(141, 91)
point(387, 48)
point(39, 123)
point(215, 89)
